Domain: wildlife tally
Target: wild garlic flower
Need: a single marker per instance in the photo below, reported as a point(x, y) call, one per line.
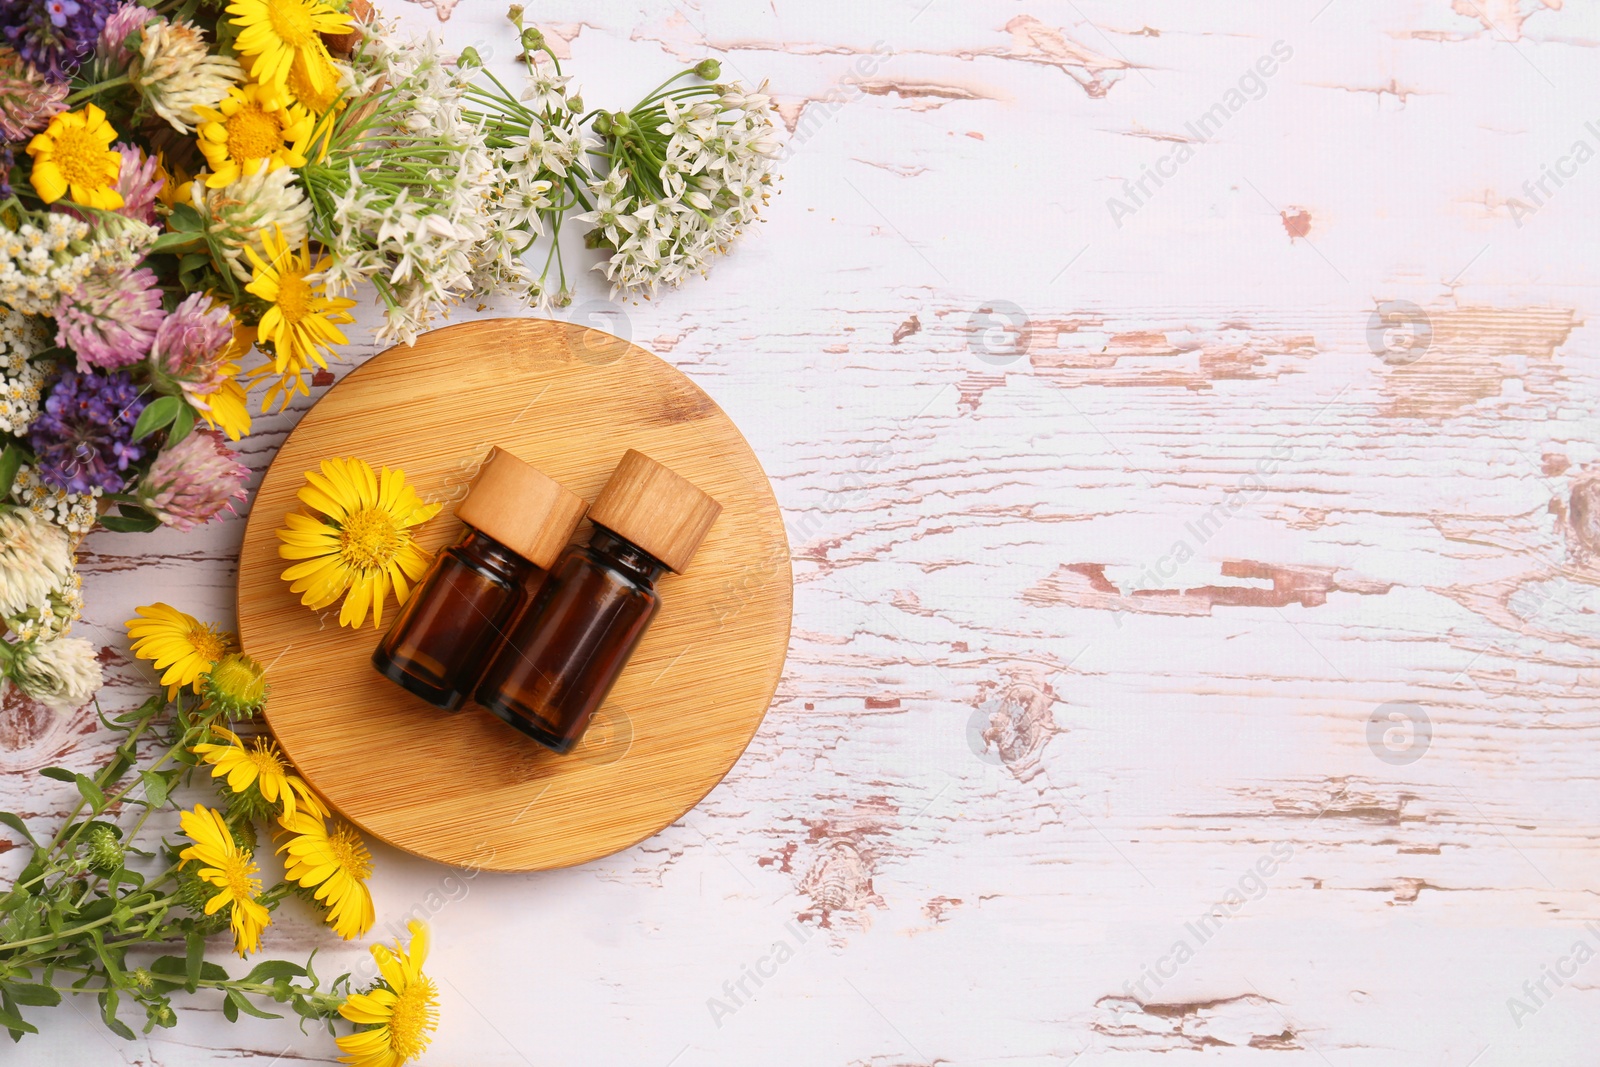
point(176, 72)
point(404, 194)
point(691, 167)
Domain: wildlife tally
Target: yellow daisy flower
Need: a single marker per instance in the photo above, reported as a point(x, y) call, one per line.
point(227, 408)
point(231, 869)
point(174, 183)
point(336, 864)
point(251, 129)
point(261, 765)
point(318, 93)
point(277, 32)
point(301, 321)
point(74, 154)
point(178, 643)
point(401, 1011)
point(362, 546)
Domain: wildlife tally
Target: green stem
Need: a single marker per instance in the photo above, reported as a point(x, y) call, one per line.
point(97, 88)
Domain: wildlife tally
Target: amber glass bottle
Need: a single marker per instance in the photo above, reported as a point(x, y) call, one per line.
point(516, 520)
point(563, 655)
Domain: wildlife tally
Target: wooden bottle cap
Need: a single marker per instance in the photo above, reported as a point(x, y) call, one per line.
point(523, 508)
point(661, 512)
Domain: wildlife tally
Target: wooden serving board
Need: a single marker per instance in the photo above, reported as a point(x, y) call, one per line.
point(463, 788)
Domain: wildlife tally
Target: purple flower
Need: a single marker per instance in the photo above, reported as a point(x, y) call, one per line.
point(111, 320)
point(138, 184)
point(84, 435)
point(191, 482)
point(191, 345)
point(27, 101)
point(55, 36)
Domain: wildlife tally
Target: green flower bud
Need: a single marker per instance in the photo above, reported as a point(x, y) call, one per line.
point(708, 70)
point(602, 124)
point(575, 104)
point(532, 39)
point(469, 58)
point(102, 848)
point(515, 14)
point(236, 686)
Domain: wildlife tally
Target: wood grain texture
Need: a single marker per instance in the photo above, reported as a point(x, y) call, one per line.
point(466, 789)
point(1019, 747)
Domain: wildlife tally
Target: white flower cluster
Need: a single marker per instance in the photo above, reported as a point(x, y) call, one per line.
point(21, 379)
point(236, 215)
point(61, 674)
point(412, 222)
point(175, 72)
point(541, 153)
point(714, 178)
point(35, 560)
point(54, 615)
point(74, 512)
point(38, 264)
point(41, 263)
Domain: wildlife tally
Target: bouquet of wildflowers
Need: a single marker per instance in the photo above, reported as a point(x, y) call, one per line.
point(194, 194)
point(106, 908)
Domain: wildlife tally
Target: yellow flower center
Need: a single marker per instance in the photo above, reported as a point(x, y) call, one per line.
point(415, 1016)
point(238, 678)
point(352, 856)
point(265, 758)
point(291, 21)
point(253, 133)
point(237, 871)
point(369, 539)
point(80, 156)
point(207, 643)
point(294, 297)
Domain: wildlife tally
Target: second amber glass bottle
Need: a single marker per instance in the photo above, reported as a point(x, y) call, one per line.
point(561, 657)
point(517, 521)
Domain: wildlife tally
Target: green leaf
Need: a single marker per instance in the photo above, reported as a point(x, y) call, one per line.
point(155, 788)
point(91, 793)
point(60, 774)
point(194, 959)
point(157, 414)
point(11, 1020)
point(108, 1014)
point(181, 425)
point(132, 520)
point(16, 823)
point(30, 993)
point(267, 970)
point(230, 1008)
point(10, 461)
point(244, 1005)
point(185, 219)
point(178, 241)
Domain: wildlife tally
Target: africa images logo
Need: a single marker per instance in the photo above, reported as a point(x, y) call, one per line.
point(1252, 85)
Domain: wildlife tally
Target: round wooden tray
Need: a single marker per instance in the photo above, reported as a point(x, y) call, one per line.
point(463, 788)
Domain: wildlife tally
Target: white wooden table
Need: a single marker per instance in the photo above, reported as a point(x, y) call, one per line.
point(1155, 435)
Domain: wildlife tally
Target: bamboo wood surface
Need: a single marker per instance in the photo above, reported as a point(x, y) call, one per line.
point(465, 788)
